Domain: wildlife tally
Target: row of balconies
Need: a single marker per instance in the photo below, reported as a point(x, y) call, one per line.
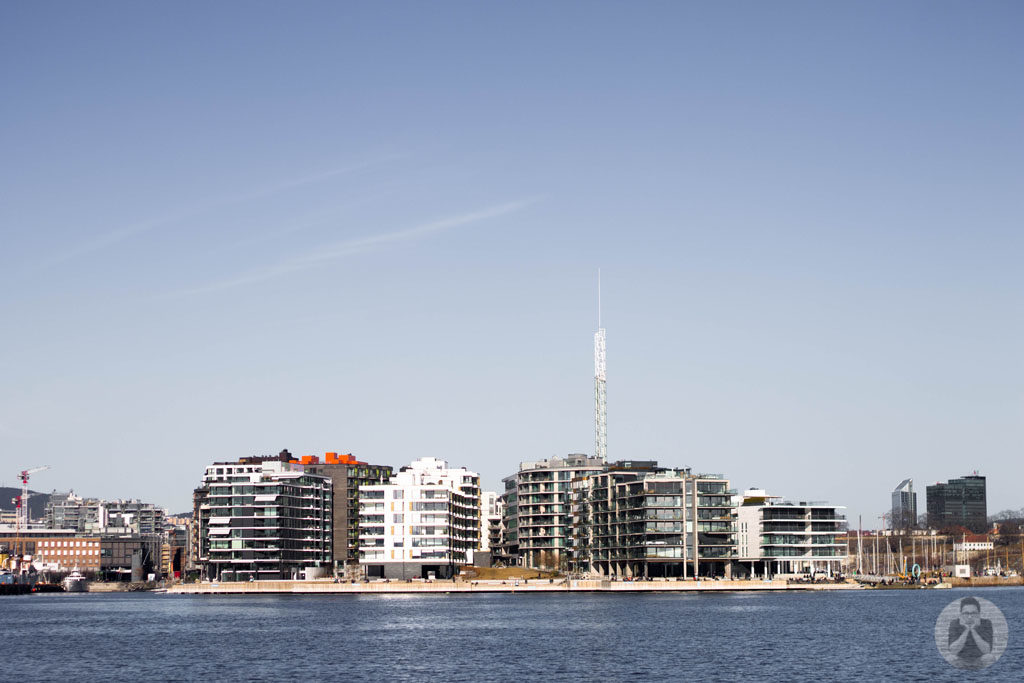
point(284, 504)
point(273, 527)
point(802, 528)
point(540, 544)
point(256, 556)
point(539, 532)
point(268, 490)
point(809, 542)
point(535, 501)
point(544, 520)
point(641, 553)
point(811, 553)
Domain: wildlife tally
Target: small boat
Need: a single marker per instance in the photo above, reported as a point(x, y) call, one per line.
point(42, 587)
point(75, 582)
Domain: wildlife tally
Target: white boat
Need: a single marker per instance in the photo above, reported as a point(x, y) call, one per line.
point(75, 582)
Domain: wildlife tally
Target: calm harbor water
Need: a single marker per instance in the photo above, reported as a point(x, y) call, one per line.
point(852, 636)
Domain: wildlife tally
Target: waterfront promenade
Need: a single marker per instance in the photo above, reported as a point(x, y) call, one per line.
point(509, 586)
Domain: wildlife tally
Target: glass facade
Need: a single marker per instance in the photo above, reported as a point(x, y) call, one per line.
point(262, 520)
point(640, 521)
point(537, 517)
point(958, 503)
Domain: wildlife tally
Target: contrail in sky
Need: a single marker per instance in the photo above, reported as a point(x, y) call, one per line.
point(119, 235)
point(332, 252)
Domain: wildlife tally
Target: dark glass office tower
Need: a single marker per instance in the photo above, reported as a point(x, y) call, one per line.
point(958, 502)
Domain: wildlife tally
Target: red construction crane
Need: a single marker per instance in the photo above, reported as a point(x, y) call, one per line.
point(22, 500)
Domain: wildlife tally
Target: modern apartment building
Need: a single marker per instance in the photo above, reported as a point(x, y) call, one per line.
point(508, 544)
point(346, 474)
point(638, 520)
point(95, 516)
point(491, 509)
point(537, 517)
point(424, 522)
point(262, 517)
point(782, 537)
point(958, 503)
point(70, 511)
point(904, 506)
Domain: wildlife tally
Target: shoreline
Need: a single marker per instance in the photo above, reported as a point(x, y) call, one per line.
point(535, 586)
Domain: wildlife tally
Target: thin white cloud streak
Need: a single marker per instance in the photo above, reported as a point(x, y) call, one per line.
point(121, 234)
point(333, 252)
point(304, 223)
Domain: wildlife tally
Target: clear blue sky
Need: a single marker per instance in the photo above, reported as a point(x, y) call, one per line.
point(231, 228)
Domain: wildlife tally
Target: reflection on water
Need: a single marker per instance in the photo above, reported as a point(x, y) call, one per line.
point(793, 636)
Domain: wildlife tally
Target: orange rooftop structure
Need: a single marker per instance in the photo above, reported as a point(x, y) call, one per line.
point(330, 458)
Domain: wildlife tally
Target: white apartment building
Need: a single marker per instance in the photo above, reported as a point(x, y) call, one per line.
point(775, 536)
point(491, 508)
point(424, 522)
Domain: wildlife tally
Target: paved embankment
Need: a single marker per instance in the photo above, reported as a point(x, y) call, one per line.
point(107, 587)
point(986, 581)
point(541, 586)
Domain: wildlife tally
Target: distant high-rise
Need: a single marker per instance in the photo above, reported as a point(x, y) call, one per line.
point(600, 395)
point(958, 502)
point(904, 505)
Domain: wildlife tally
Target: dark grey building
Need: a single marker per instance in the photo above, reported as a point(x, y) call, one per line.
point(904, 505)
point(262, 517)
point(347, 474)
point(958, 502)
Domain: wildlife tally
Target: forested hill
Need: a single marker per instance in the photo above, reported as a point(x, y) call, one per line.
point(36, 500)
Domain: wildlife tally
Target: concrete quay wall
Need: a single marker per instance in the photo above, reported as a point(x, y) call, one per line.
point(539, 586)
point(985, 581)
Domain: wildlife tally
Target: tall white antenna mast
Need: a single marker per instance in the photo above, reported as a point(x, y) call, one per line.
point(600, 392)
